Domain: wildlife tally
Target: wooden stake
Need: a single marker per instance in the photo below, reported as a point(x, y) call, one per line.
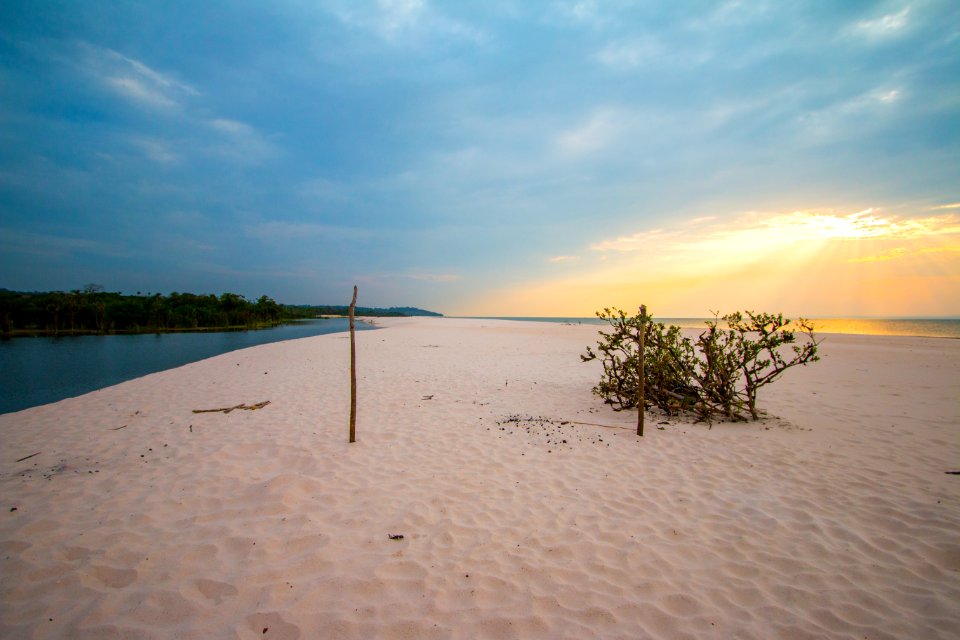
point(353, 371)
point(641, 400)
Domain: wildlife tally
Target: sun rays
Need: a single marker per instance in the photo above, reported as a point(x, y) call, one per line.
point(810, 261)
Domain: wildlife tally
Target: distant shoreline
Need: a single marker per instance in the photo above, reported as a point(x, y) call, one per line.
point(903, 327)
point(67, 333)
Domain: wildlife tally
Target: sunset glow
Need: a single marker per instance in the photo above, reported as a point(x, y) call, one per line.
point(810, 262)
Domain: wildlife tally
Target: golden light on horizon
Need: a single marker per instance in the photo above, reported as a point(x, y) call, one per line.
point(858, 225)
point(803, 262)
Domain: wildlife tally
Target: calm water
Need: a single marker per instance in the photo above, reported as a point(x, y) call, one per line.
point(35, 371)
point(932, 328)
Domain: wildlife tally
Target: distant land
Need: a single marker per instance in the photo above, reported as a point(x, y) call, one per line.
point(312, 311)
point(92, 310)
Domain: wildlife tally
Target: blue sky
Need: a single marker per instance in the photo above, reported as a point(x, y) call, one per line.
point(505, 158)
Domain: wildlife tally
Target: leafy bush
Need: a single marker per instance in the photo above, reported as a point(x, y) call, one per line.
point(717, 375)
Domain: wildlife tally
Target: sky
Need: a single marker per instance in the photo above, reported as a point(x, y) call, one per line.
point(497, 158)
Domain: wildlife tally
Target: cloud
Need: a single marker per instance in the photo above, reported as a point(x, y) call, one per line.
point(753, 232)
point(582, 13)
point(888, 96)
point(280, 230)
point(900, 252)
point(418, 276)
point(50, 246)
point(593, 134)
point(892, 254)
point(628, 54)
point(856, 114)
point(133, 80)
point(637, 241)
point(560, 259)
point(316, 192)
point(431, 277)
point(397, 15)
point(183, 218)
point(884, 26)
point(402, 21)
point(231, 127)
point(649, 52)
point(241, 142)
point(157, 150)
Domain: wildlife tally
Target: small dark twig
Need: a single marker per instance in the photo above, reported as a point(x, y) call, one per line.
point(252, 407)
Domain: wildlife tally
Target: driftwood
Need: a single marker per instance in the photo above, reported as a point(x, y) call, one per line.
point(594, 424)
point(252, 407)
point(38, 453)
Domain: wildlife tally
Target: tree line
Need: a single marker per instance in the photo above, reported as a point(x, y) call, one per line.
point(313, 311)
point(93, 310)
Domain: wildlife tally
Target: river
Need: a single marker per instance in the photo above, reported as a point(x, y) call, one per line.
point(35, 371)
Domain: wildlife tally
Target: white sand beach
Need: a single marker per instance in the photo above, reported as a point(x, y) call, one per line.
point(138, 518)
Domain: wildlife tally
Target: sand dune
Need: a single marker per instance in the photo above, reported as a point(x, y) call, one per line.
point(141, 519)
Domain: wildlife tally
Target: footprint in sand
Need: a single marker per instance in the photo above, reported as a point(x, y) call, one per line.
point(116, 578)
point(272, 626)
point(216, 591)
point(14, 546)
point(77, 553)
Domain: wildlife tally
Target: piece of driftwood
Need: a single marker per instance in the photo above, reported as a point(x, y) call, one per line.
point(118, 428)
point(594, 424)
point(29, 456)
point(252, 407)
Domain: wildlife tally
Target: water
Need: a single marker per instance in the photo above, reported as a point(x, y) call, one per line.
point(35, 371)
point(923, 327)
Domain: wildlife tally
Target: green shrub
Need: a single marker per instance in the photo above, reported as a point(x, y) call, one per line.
point(718, 375)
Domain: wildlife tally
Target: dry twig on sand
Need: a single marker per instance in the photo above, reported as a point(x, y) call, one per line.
point(252, 407)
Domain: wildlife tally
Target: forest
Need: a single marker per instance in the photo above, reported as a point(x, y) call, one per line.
point(92, 310)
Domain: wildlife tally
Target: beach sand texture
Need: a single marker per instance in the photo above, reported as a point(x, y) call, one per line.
point(141, 519)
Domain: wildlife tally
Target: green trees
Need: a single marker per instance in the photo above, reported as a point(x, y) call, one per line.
point(93, 310)
point(719, 374)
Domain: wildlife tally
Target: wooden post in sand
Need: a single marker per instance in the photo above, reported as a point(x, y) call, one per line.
point(641, 400)
point(353, 371)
